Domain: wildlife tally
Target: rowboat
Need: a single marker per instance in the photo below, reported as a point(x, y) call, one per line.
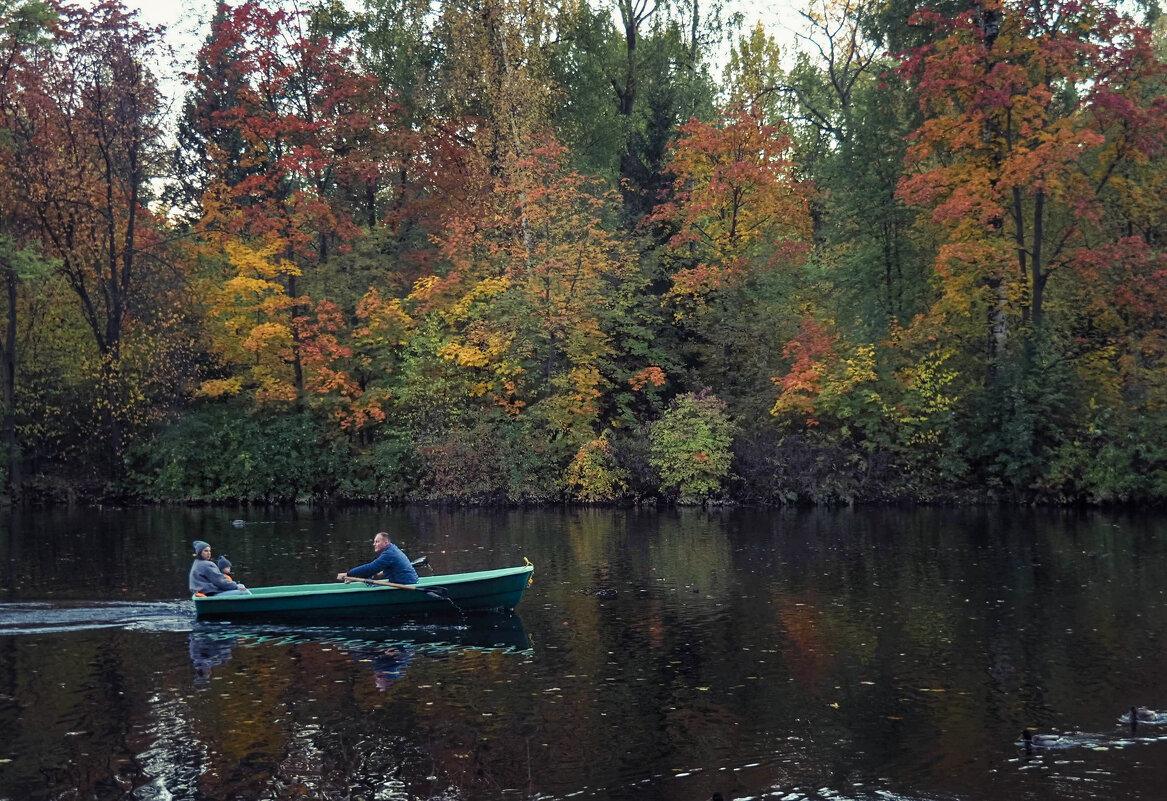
point(451, 594)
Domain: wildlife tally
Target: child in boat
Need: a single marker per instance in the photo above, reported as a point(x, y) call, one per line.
point(205, 578)
point(224, 565)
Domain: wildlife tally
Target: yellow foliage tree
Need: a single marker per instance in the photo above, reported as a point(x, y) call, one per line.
point(251, 329)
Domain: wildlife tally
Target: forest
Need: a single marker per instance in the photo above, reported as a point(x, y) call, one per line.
point(618, 251)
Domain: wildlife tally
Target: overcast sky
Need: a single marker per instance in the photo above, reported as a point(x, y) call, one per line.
point(185, 22)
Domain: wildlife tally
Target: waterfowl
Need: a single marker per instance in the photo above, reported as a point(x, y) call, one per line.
point(1140, 714)
point(1040, 740)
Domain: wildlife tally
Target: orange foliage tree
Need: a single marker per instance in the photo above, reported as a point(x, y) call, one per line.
point(737, 206)
point(528, 299)
point(740, 234)
point(295, 143)
point(1037, 115)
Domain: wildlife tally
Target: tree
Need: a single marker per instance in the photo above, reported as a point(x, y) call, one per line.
point(690, 447)
point(87, 135)
point(658, 81)
point(1028, 128)
point(295, 143)
point(495, 81)
point(1041, 125)
point(23, 26)
point(741, 233)
point(532, 291)
point(737, 206)
point(849, 117)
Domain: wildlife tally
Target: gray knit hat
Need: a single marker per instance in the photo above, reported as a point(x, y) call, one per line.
point(199, 545)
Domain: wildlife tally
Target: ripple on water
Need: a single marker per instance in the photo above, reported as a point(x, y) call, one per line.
point(43, 617)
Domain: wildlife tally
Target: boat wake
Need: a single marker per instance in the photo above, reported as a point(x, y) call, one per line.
point(49, 617)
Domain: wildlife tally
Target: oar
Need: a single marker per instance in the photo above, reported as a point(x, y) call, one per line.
point(434, 592)
point(421, 561)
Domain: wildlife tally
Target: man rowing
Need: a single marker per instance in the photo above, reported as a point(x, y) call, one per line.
point(390, 559)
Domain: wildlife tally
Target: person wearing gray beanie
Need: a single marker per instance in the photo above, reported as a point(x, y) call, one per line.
point(206, 578)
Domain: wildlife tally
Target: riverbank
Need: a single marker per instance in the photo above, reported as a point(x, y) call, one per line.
point(46, 492)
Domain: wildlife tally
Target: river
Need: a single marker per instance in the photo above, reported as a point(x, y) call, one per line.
point(828, 654)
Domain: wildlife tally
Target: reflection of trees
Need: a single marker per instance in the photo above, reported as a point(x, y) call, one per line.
point(934, 626)
point(877, 612)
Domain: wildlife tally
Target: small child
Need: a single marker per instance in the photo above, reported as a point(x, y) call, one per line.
point(224, 565)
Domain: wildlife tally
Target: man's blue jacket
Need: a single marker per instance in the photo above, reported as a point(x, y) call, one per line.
point(395, 564)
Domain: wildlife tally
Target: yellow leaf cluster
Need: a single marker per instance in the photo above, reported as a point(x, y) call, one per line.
point(262, 261)
point(221, 387)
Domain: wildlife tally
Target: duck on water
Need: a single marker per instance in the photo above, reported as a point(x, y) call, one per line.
point(1142, 714)
point(1031, 740)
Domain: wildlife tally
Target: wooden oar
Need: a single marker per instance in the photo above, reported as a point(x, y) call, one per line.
point(435, 592)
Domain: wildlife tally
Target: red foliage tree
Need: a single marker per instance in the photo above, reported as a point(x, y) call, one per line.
point(1038, 115)
point(83, 120)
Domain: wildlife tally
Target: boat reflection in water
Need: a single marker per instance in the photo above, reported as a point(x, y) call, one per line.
point(209, 652)
point(388, 650)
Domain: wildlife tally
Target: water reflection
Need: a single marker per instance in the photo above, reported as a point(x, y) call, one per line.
point(386, 650)
point(843, 655)
point(388, 664)
point(207, 653)
point(500, 630)
point(388, 660)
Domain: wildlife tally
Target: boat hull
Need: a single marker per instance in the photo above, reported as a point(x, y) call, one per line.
point(467, 592)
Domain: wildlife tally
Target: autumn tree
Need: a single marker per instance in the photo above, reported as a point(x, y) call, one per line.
point(295, 143)
point(1037, 118)
point(741, 232)
point(1029, 127)
point(85, 131)
point(495, 75)
point(531, 297)
point(550, 249)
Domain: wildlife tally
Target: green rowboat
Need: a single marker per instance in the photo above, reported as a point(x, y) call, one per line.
point(455, 593)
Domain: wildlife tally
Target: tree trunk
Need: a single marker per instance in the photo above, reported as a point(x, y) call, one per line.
point(1037, 268)
point(8, 378)
point(297, 364)
point(998, 318)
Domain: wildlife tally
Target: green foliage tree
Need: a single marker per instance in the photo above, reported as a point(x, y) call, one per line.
point(690, 448)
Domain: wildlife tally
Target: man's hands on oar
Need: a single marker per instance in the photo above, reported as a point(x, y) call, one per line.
point(434, 592)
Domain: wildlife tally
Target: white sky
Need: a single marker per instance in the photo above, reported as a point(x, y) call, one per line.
point(185, 22)
point(183, 18)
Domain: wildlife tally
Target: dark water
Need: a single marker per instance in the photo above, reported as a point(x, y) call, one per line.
point(813, 655)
